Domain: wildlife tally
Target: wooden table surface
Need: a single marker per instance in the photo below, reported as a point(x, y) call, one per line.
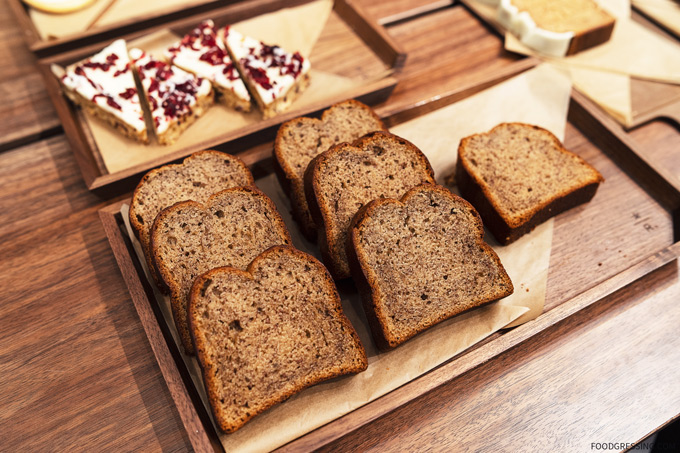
point(77, 371)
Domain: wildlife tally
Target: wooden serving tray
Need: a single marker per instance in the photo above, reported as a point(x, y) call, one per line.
point(629, 229)
point(352, 33)
point(44, 48)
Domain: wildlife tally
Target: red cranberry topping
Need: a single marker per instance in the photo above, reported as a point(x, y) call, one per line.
point(122, 71)
point(215, 56)
point(294, 67)
point(259, 76)
point(153, 86)
point(230, 71)
point(111, 58)
point(81, 72)
point(127, 94)
point(94, 65)
point(109, 101)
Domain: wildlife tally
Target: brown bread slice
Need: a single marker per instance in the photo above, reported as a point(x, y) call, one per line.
point(421, 260)
point(190, 238)
point(341, 180)
point(300, 140)
point(199, 176)
point(518, 176)
point(266, 333)
point(590, 24)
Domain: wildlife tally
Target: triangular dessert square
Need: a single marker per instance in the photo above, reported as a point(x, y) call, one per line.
point(421, 260)
point(104, 86)
point(518, 175)
point(176, 98)
point(203, 53)
point(275, 77)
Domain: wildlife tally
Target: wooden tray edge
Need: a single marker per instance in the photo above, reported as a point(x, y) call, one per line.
point(194, 426)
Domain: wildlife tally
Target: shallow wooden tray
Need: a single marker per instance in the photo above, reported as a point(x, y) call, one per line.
point(629, 229)
point(362, 38)
point(43, 48)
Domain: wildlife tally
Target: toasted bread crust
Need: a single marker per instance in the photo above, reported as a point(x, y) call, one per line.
point(143, 230)
point(505, 228)
point(321, 211)
point(368, 283)
point(292, 184)
point(357, 363)
point(594, 37)
point(178, 303)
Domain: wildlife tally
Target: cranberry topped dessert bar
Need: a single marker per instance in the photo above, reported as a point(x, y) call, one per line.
point(105, 87)
point(274, 76)
point(202, 52)
point(175, 97)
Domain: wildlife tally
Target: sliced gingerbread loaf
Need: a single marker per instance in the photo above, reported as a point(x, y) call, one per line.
point(341, 180)
point(420, 260)
point(230, 229)
point(267, 333)
point(519, 175)
point(300, 140)
point(199, 176)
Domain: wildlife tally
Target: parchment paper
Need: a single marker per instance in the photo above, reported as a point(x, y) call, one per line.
point(666, 12)
point(539, 96)
point(283, 27)
point(100, 13)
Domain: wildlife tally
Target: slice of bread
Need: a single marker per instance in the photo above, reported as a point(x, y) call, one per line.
point(267, 333)
point(231, 228)
point(420, 260)
point(341, 180)
point(300, 140)
point(518, 175)
point(199, 176)
point(568, 25)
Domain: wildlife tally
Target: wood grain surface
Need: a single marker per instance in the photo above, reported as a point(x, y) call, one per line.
point(78, 373)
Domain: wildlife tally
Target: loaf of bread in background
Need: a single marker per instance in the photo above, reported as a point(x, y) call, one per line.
point(518, 175)
point(343, 179)
point(420, 260)
point(199, 176)
point(267, 333)
point(189, 238)
point(300, 140)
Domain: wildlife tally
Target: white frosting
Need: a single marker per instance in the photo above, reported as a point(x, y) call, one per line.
point(523, 26)
point(271, 61)
point(106, 79)
point(163, 83)
point(203, 42)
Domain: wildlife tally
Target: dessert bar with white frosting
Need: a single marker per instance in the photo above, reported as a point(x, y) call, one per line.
point(176, 98)
point(203, 53)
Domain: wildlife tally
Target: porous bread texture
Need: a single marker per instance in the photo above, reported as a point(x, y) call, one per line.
point(341, 180)
point(190, 238)
point(518, 175)
point(300, 140)
point(590, 24)
point(267, 333)
point(421, 260)
point(196, 178)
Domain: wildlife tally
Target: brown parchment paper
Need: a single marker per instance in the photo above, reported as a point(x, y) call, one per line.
point(292, 28)
point(100, 13)
point(540, 96)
